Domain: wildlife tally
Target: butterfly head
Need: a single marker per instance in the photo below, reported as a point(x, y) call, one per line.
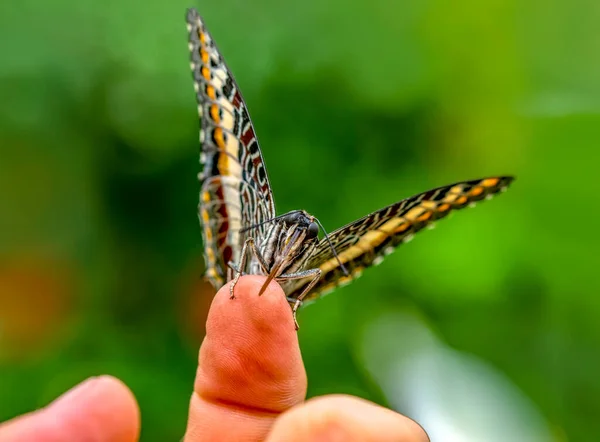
point(298, 231)
point(302, 221)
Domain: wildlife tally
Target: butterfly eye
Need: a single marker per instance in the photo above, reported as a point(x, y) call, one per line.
point(312, 231)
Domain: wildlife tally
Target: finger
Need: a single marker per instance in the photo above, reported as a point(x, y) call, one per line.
point(347, 418)
point(99, 409)
point(250, 369)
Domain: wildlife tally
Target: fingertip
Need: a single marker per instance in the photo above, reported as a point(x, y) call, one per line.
point(249, 309)
point(251, 354)
point(103, 406)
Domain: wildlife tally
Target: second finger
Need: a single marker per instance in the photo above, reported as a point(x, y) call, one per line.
point(344, 418)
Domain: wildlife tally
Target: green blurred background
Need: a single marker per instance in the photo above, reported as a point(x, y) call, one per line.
point(485, 329)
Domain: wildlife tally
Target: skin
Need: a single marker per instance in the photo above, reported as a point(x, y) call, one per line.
point(250, 385)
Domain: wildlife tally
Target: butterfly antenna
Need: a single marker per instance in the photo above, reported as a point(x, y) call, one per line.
point(254, 226)
point(332, 248)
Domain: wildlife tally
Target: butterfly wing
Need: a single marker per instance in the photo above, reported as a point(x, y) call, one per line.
point(366, 241)
point(235, 190)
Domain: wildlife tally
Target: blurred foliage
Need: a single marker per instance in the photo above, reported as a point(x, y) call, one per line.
point(357, 105)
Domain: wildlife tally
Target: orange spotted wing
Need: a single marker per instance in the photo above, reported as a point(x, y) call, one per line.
point(366, 241)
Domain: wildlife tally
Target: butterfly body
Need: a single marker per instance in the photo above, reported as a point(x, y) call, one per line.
point(284, 250)
point(242, 233)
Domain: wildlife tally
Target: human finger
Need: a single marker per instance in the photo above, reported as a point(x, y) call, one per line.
point(344, 418)
point(250, 368)
point(100, 409)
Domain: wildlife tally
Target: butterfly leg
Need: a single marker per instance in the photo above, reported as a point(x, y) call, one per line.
point(249, 243)
point(315, 274)
point(232, 265)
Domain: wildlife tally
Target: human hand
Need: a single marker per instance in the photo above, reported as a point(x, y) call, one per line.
point(250, 385)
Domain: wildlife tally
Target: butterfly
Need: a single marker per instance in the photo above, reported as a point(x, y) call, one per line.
point(242, 233)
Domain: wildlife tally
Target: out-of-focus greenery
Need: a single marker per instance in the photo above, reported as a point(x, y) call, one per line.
point(357, 105)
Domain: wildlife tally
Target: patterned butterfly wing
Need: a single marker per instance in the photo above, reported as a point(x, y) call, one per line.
point(366, 241)
point(235, 190)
